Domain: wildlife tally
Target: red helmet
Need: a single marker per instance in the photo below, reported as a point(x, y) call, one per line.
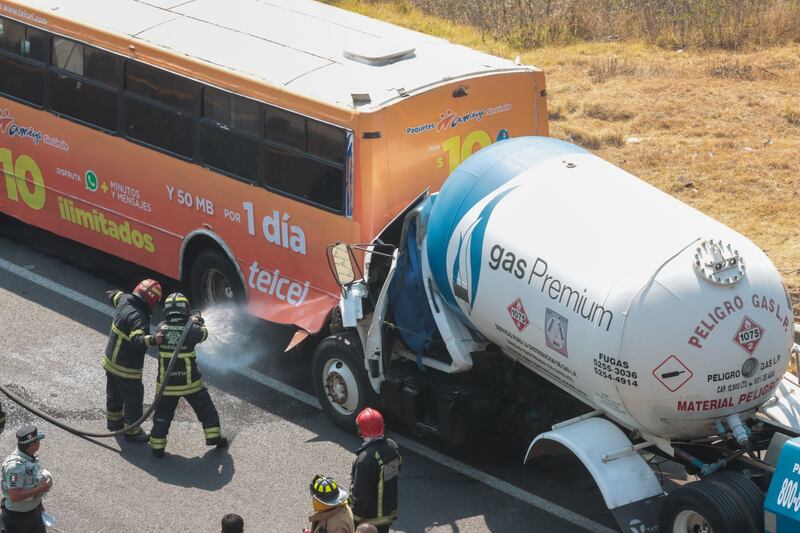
point(148, 291)
point(370, 423)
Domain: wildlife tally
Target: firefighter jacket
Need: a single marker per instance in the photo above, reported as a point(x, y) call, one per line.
point(129, 339)
point(185, 378)
point(336, 520)
point(374, 477)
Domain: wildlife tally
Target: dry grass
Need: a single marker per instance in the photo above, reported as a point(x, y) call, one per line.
point(730, 24)
point(719, 130)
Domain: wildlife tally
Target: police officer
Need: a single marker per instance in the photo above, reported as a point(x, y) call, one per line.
point(374, 477)
point(185, 380)
point(24, 483)
point(124, 358)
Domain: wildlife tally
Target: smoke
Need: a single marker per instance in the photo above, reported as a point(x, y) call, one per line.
point(232, 340)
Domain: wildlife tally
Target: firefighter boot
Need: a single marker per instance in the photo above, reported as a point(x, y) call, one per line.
point(142, 436)
point(217, 442)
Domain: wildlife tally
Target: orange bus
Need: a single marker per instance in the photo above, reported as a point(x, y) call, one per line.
point(227, 146)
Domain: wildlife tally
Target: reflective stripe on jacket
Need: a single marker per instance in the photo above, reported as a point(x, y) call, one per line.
point(128, 340)
point(185, 378)
point(374, 485)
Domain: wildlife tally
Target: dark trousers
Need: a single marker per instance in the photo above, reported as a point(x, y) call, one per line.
point(30, 522)
point(203, 407)
point(123, 397)
point(381, 529)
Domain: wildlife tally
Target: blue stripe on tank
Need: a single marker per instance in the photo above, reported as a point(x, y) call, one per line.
point(476, 178)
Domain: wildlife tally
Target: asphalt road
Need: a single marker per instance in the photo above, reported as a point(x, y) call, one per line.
point(54, 323)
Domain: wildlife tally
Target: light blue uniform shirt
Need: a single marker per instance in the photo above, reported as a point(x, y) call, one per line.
point(21, 471)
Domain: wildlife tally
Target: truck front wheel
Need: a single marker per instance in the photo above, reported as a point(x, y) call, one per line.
point(340, 378)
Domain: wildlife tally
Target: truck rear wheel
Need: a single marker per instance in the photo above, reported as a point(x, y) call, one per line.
point(702, 507)
point(747, 493)
point(214, 280)
point(340, 378)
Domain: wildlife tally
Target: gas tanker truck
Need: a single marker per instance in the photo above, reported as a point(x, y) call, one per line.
point(544, 292)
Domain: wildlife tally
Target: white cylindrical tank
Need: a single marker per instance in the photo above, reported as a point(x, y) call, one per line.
point(632, 301)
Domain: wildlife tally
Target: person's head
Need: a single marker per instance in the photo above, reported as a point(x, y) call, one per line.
point(370, 423)
point(148, 291)
point(366, 528)
point(28, 438)
point(326, 493)
point(176, 306)
point(232, 523)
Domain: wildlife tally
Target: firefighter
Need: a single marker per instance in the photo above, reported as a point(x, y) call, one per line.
point(374, 477)
point(332, 514)
point(185, 380)
point(124, 358)
point(24, 482)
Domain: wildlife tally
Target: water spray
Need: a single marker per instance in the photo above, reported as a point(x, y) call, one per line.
point(229, 344)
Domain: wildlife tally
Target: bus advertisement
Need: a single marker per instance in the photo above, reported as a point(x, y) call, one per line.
point(233, 182)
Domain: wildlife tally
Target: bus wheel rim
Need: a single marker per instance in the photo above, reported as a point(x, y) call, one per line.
point(216, 287)
point(341, 386)
point(690, 521)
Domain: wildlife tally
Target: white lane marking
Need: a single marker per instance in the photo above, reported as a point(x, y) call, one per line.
point(432, 455)
point(56, 287)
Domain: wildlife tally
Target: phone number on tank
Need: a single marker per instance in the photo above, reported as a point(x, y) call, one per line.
point(622, 380)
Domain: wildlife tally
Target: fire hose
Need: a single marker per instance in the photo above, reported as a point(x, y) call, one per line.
point(145, 416)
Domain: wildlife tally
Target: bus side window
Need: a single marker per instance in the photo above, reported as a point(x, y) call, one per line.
point(83, 83)
point(22, 55)
point(286, 128)
point(68, 55)
point(159, 109)
point(230, 133)
point(305, 178)
point(326, 141)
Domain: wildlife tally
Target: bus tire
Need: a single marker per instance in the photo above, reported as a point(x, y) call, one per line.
point(746, 492)
point(340, 379)
point(214, 280)
point(701, 506)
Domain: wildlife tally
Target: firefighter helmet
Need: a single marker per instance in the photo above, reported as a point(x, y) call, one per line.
point(370, 423)
point(324, 489)
point(176, 304)
point(148, 291)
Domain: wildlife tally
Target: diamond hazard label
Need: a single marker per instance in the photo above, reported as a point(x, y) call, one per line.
point(748, 335)
point(672, 373)
point(518, 315)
